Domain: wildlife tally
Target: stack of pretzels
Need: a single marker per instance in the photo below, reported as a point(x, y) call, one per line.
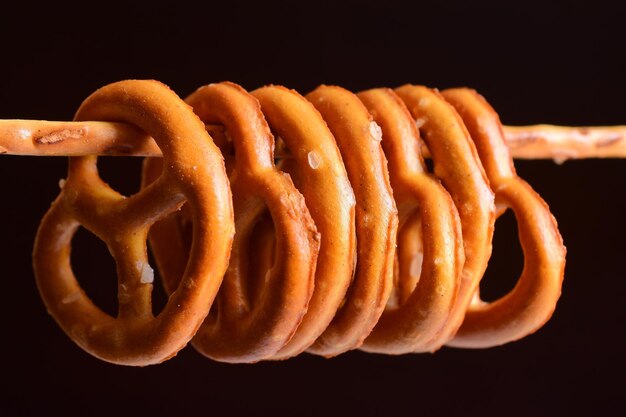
point(300, 224)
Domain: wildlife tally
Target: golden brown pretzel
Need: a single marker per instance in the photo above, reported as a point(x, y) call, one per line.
point(320, 175)
point(376, 218)
point(447, 139)
point(531, 303)
point(256, 312)
point(193, 172)
point(430, 247)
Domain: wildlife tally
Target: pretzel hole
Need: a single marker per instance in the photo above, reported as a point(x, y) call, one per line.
point(224, 142)
point(260, 257)
point(393, 301)
point(506, 262)
point(95, 270)
point(257, 258)
point(184, 225)
point(119, 171)
point(281, 151)
point(408, 261)
point(430, 164)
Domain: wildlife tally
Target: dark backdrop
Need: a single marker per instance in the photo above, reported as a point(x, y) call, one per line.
point(560, 63)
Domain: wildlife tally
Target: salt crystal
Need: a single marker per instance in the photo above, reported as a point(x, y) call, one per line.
point(420, 122)
point(376, 131)
point(423, 102)
point(561, 155)
point(147, 273)
point(24, 133)
point(314, 160)
point(61, 183)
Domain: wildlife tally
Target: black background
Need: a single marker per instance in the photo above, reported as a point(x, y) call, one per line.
point(559, 62)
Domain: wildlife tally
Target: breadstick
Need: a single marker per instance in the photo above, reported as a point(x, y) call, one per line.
point(55, 138)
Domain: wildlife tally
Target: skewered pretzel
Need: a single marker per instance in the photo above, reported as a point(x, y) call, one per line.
point(248, 324)
point(193, 172)
point(465, 180)
point(531, 303)
point(376, 219)
point(313, 265)
point(430, 250)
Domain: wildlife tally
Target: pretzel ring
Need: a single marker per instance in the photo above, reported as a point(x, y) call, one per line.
point(428, 277)
point(319, 173)
point(448, 140)
point(358, 138)
point(193, 172)
point(255, 313)
point(532, 301)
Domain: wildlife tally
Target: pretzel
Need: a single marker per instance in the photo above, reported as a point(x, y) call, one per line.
point(430, 248)
point(376, 219)
point(193, 173)
point(249, 324)
point(531, 303)
point(320, 175)
point(334, 249)
point(447, 139)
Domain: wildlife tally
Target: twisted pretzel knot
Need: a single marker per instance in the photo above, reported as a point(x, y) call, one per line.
point(193, 173)
point(348, 242)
